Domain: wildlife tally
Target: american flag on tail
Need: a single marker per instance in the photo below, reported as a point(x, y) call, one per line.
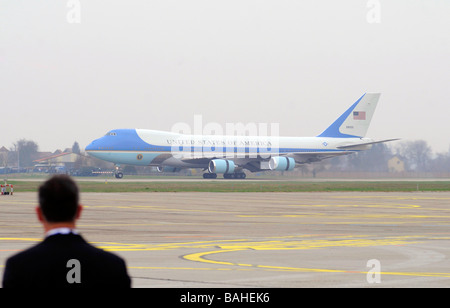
point(359, 115)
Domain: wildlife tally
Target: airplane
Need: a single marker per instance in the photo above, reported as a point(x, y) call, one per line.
point(230, 155)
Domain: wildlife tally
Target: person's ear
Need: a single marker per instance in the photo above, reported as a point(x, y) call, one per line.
point(39, 214)
point(79, 210)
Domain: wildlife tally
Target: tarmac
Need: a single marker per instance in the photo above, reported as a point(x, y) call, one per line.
point(257, 240)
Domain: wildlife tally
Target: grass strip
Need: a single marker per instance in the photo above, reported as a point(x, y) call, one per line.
point(248, 186)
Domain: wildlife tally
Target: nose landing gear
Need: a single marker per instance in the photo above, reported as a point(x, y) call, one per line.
point(118, 174)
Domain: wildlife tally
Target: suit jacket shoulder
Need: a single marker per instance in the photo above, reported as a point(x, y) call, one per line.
point(65, 261)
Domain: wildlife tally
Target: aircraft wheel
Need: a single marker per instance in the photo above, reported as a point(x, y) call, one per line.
point(209, 175)
point(119, 175)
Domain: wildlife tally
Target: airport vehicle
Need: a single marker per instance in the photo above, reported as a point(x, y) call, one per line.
point(230, 154)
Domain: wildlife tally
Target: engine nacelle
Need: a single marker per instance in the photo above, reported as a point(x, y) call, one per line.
point(282, 163)
point(167, 169)
point(221, 166)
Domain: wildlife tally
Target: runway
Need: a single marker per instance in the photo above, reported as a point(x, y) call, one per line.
point(252, 240)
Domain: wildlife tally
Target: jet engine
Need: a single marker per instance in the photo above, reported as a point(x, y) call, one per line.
point(281, 163)
point(221, 166)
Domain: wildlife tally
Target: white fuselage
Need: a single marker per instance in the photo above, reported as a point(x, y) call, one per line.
point(152, 147)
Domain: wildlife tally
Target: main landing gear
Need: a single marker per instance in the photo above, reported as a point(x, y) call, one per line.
point(235, 175)
point(209, 175)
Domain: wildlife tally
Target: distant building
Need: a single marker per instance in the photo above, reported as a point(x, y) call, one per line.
point(57, 162)
point(395, 164)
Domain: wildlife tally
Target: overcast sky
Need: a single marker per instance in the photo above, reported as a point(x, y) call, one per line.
point(71, 75)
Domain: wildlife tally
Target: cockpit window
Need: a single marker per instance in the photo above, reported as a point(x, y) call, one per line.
point(111, 134)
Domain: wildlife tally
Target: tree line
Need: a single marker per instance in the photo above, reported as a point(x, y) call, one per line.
point(23, 153)
point(416, 155)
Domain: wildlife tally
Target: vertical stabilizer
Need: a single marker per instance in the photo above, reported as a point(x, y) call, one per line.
point(356, 120)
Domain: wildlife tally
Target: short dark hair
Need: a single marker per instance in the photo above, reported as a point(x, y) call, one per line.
point(58, 199)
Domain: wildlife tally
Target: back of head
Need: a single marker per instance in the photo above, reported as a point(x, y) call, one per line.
point(58, 199)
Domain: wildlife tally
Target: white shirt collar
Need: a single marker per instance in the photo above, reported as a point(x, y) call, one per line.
point(60, 231)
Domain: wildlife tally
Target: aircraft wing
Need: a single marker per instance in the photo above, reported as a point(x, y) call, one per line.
point(256, 164)
point(306, 158)
point(354, 146)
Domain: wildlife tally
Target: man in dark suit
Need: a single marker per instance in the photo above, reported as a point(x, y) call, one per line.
point(63, 258)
